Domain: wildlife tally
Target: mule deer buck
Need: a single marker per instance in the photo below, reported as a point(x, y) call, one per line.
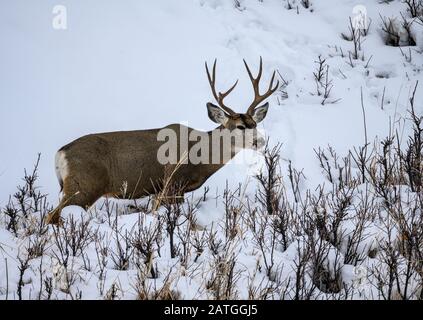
point(98, 165)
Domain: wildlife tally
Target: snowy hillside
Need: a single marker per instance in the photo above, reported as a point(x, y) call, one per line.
point(140, 65)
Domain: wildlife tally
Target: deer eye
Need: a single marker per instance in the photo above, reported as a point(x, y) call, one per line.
point(240, 127)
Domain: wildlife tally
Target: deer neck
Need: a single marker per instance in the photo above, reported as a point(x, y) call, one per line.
point(227, 150)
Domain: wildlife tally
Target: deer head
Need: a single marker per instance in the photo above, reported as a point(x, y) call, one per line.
point(230, 119)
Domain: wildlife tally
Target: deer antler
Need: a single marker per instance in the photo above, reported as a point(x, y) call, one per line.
point(219, 97)
point(255, 81)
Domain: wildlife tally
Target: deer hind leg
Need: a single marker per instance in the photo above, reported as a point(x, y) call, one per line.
point(75, 194)
point(77, 199)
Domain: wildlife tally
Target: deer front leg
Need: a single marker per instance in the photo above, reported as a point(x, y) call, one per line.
point(160, 199)
point(180, 197)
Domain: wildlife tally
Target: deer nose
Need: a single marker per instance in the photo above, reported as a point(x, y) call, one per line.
point(259, 142)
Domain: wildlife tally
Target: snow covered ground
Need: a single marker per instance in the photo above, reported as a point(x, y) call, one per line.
point(137, 65)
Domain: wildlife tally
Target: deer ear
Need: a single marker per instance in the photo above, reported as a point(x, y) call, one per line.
point(260, 112)
point(216, 114)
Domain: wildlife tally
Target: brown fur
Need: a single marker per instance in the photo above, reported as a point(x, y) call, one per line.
point(99, 164)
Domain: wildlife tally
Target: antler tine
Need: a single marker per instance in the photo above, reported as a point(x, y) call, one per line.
point(260, 69)
point(219, 97)
point(256, 81)
point(248, 70)
point(271, 83)
point(211, 78)
point(223, 95)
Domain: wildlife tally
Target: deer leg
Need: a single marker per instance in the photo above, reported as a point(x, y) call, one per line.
point(180, 197)
point(171, 198)
point(73, 195)
point(80, 199)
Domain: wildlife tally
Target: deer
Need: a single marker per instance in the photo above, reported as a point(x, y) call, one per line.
point(97, 165)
